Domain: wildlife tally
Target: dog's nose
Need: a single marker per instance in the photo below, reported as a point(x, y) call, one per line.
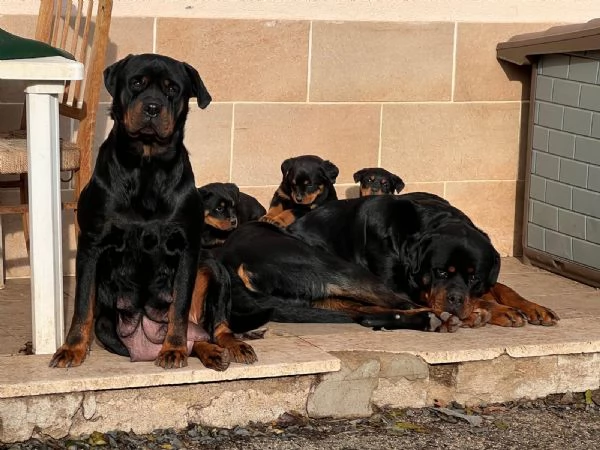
point(298, 197)
point(152, 109)
point(454, 298)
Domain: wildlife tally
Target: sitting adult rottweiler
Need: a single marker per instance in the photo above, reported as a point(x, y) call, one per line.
point(226, 208)
point(139, 269)
point(378, 181)
point(277, 276)
point(420, 244)
point(307, 183)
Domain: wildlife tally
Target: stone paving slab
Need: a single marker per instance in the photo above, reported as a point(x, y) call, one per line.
point(277, 357)
point(569, 336)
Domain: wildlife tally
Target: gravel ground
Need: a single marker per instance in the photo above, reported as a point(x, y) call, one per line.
point(566, 422)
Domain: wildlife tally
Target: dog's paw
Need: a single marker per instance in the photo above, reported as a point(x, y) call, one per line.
point(172, 358)
point(259, 333)
point(443, 322)
point(540, 315)
point(212, 356)
point(478, 318)
point(505, 316)
point(272, 221)
point(68, 356)
point(241, 352)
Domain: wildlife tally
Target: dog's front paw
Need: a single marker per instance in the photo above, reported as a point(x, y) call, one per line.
point(172, 358)
point(505, 316)
point(69, 356)
point(272, 221)
point(241, 352)
point(478, 318)
point(444, 322)
point(212, 356)
point(540, 315)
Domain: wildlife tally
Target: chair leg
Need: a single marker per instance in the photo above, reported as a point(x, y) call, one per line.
point(24, 194)
point(2, 278)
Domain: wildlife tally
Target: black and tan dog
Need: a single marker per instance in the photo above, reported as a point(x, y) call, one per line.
point(378, 181)
point(226, 208)
point(140, 276)
point(308, 182)
point(277, 276)
point(420, 244)
point(383, 261)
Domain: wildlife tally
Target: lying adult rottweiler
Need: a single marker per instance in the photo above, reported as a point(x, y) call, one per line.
point(277, 276)
point(139, 273)
point(420, 244)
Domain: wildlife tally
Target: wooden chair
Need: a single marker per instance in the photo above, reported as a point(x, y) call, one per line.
point(70, 25)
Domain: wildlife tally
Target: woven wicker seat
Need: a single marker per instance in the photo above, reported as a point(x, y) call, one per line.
point(72, 26)
point(13, 154)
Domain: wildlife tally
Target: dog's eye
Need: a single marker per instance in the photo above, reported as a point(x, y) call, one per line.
point(172, 90)
point(137, 83)
point(473, 278)
point(220, 209)
point(441, 273)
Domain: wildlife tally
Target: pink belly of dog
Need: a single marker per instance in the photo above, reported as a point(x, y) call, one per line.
point(145, 340)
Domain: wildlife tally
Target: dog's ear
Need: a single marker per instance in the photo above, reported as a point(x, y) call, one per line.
point(198, 89)
point(397, 183)
point(358, 175)
point(495, 270)
point(412, 255)
point(111, 74)
point(331, 171)
point(204, 193)
point(233, 190)
point(287, 165)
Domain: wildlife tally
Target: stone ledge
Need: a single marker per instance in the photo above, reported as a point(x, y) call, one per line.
point(277, 357)
point(580, 335)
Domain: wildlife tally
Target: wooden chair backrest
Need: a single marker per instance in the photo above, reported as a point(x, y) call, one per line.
point(71, 26)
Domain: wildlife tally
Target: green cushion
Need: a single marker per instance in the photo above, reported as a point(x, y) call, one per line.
point(17, 47)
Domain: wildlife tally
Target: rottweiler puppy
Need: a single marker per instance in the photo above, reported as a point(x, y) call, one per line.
point(140, 276)
point(277, 276)
point(307, 183)
point(378, 181)
point(420, 244)
point(226, 208)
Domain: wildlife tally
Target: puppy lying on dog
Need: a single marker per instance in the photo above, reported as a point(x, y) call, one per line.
point(307, 183)
point(377, 181)
point(226, 208)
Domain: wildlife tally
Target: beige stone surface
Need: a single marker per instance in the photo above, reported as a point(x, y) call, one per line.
point(346, 393)
point(381, 61)
point(480, 76)
point(495, 207)
point(267, 134)
point(102, 370)
point(263, 194)
point(143, 410)
point(208, 141)
point(50, 414)
point(248, 60)
point(452, 141)
point(391, 10)
point(569, 336)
